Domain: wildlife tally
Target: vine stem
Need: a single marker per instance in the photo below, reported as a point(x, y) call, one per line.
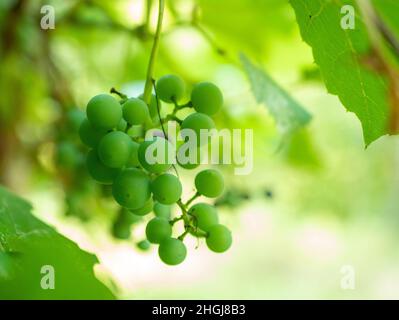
point(195, 196)
point(182, 206)
point(183, 235)
point(173, 221)
point(120, 94)
point(154, 51)
point(147, 16)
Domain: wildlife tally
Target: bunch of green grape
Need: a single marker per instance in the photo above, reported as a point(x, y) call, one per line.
point(115, 130)
point(69, 165)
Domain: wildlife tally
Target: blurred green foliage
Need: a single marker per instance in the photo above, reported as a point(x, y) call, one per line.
point(319, 175)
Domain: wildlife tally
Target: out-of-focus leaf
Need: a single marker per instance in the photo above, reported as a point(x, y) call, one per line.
point(345, 57)
point(233, 23)
point(288, 113)
point(388, 10)
point(301, 151)
point(27, 245)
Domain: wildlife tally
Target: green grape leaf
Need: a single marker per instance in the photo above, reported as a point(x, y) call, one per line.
point(288, 113)
point(31, 252)
point(349, 64)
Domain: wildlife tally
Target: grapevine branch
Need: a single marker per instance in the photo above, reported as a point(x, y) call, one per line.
point(381, 59)
point(189, 221)
point(154, 51)
point(147, 16)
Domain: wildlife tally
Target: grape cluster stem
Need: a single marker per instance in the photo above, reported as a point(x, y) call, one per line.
point(154, 51)
point(189, 220)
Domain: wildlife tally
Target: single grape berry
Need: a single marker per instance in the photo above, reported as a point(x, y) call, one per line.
point(90, 135)
point(172, 251)
point(131, 188)
point(115, 149)
point(67, 156)
point(170, 88)
point(75, 118)
point(219, 238)
point(198, 122)
point(152, 106)
point(144, 245)
point(206, 98)
point(157, 230)
point(122, 125)
point(188, 158)
point(121, 230)
point(205, 215)
point(146, 209)
point(156, 155)
point(133, 160)
point(98, 171)
point(136, 131)
point(135, 111)
point(162, 210)
point(209, 183)
point(104, 111)
point(166, 188)
point(128, 217)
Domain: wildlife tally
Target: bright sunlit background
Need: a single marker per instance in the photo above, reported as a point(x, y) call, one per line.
point(318, 202)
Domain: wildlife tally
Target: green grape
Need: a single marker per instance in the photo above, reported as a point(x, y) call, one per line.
point(152, 106)
point(170, 88)
point(231, 198)
point(89, 135)
point(146, 209)
point(162, 210)
point(205, 215)
point(75, 117)
point(98, 171)
point(209, 183)
point(166, 188)
point(135, 111)
point(106, 190)
point(219, 238)
point(188, 166)
point(133, 160)
point(144, 245)
point(206, 98)
point(157, 160)
point(122, 125)
point(136, 131)
point(131, 188)
point(172, 251)
point(129, 217)
point(67, 155)
point(115, 149)
point(121, 230)
point(197, 122)
point(158, 229)
point(184, 153)
point(104, 111)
